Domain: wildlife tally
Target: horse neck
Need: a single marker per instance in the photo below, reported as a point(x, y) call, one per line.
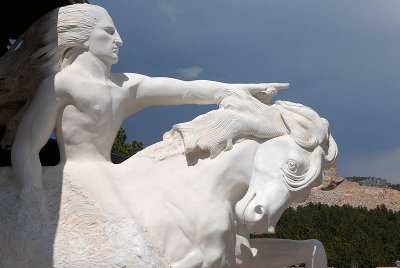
point(225, 177)
point(228, 175)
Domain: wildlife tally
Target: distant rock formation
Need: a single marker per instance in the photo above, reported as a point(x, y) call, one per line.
point(369, 193)
point(371, 182)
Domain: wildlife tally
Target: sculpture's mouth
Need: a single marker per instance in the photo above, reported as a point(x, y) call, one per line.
point(115, 50)
point(245, 209)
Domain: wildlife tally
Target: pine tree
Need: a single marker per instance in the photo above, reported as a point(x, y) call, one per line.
point(125, 149)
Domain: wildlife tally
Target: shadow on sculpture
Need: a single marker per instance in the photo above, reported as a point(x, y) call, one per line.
point(191, 200)
point(50, 155)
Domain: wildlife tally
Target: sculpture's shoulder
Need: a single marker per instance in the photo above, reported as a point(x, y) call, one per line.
point(66, 81)
point(68, 77)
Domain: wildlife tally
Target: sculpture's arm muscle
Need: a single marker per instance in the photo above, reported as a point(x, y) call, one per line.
point(170, 91)
point(34, 131)
point(148, 91)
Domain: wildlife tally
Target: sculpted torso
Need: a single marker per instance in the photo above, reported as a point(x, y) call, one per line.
point(94, 111)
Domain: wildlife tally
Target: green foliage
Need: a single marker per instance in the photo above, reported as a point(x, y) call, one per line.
point(125, 149)
point(351, 236)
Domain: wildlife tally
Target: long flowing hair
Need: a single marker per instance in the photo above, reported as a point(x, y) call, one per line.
point(241, 115)
point(46, 47)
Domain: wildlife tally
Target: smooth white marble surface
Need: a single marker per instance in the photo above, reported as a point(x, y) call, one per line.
point(172, 204)
point(191, 200)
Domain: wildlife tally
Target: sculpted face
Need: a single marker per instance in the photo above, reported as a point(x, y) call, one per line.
point(105, 41)
point(277, 163)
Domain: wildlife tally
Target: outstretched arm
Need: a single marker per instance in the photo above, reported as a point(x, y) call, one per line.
point(169, 91)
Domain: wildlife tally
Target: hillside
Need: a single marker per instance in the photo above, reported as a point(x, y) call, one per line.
point(336, 190)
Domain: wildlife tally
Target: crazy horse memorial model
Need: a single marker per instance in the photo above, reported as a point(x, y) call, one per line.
point(190, 200)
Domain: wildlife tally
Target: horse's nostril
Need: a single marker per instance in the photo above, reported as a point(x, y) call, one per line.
point(259, 209)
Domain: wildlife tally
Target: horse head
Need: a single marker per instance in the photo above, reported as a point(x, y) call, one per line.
point(295, 147)
point(287, 167)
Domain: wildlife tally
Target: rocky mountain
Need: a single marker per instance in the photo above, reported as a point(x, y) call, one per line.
point(337, 190)
point(374, 182)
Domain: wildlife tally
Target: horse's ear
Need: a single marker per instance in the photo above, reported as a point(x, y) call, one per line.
point(332, 153)
point(299, 128)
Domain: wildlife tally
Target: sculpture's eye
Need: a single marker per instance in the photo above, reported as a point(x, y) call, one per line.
point(110, 30)
point(292, 166)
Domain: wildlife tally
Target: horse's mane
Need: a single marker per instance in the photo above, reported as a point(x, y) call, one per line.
point(241, 115)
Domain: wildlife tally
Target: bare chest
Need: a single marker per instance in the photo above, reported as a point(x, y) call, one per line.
point(98, 100)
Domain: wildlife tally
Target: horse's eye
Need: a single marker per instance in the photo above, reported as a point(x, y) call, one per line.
point(292, 166)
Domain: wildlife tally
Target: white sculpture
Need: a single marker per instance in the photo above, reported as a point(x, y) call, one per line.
point(189, 201)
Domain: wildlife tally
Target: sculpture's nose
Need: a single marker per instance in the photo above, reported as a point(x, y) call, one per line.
point(253, 213)
point(118, 39)
point(118, 42)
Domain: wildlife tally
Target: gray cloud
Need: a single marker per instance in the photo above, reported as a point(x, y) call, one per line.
point(169, 9)
point(189, 72)
point(383, 164)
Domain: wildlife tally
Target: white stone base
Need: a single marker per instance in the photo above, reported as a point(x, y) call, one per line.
point(69, 230)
